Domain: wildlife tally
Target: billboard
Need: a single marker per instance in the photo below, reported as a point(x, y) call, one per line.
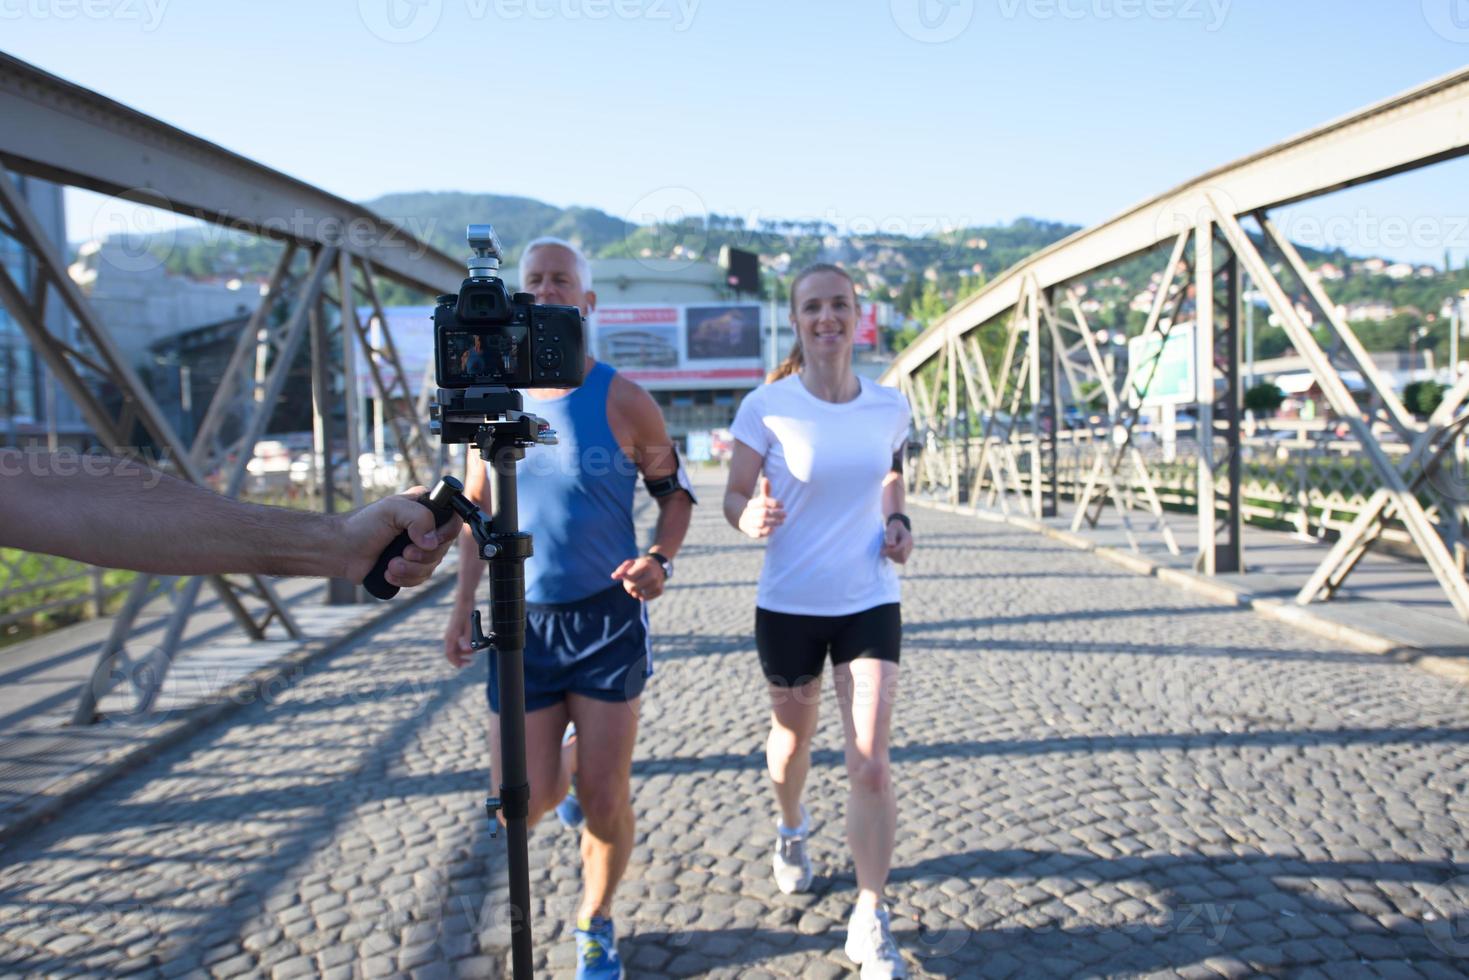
point(1172, 381)
point(412, 330)
point(633, 337)
point(698, 345)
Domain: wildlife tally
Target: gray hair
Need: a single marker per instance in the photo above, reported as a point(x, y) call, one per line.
point(583, 267)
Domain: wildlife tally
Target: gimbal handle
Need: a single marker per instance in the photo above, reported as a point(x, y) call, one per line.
point(446, 499)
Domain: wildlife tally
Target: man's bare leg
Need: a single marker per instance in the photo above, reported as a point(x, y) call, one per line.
point(548, 780)
point(605, 734)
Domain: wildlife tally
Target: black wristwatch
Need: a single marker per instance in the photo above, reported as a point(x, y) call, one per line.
point(899, 516)
point(664, 562)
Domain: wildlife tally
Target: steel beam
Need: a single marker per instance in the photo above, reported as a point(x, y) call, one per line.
point(71, 135)
point(1204, 393)
point(1423, 126)
point(1429, 544)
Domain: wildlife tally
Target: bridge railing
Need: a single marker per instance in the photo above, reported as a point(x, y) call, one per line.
point(1305, 481)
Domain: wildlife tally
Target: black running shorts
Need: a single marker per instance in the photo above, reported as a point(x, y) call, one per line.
point(793, 648)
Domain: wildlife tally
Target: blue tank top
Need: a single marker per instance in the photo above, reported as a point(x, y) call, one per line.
point(576, 497)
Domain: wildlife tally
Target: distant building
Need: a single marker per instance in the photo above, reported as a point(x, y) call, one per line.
point(141, 303)
point(184, 369)
point(33, 407)
point(1374, 310)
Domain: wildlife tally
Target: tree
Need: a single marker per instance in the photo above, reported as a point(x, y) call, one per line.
point(1264, 398)
point(1422, 397)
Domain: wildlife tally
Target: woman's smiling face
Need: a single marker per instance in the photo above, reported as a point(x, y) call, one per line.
point(826, 314)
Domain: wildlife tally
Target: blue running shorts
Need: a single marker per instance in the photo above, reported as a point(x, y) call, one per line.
point(597, 647)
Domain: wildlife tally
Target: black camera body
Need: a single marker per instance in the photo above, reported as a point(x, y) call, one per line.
point(485, 336)
point(488, 343)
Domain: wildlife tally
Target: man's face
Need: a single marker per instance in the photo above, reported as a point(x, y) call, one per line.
point(550, 273)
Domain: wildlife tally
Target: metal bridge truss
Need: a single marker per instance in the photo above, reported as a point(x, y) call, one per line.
point(1221, 233)
point(60, 132)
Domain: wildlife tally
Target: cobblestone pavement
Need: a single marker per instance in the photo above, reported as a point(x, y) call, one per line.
point(1097, 774)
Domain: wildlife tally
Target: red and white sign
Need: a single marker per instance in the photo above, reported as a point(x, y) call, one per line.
point(865, 337)
point(620, 316)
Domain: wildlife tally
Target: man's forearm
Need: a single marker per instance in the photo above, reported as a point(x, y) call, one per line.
point(675, 513)
point(121, 514)
point(471, 567)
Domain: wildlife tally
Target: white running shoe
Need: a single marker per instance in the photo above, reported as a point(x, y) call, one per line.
point(870, 945)
point(792, 863)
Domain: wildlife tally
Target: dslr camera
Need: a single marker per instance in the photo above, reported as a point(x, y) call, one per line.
point(488, 341)
point(488, 336)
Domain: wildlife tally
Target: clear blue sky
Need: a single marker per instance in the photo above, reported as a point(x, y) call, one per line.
point(1062, 109)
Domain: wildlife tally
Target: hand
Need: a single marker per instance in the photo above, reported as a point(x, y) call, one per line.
point(368, 531)
point(897, 542)
point(457, 648)
point(763, 514)
point(642, 577)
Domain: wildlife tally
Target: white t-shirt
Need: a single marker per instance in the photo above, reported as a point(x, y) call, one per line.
point(826, 463)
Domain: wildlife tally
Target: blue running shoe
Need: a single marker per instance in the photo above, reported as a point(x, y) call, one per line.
point(596, 950)
point(569, 810)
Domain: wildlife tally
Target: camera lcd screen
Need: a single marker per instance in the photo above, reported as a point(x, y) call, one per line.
point(491, 356)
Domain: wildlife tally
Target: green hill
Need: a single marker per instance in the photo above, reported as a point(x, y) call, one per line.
point(921, 274)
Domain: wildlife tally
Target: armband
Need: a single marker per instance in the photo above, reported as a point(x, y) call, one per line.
point(675, 482)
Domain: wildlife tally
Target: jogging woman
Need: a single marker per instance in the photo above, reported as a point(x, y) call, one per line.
point(830, 507)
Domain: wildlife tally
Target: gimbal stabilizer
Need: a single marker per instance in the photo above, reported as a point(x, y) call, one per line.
point(503, 432)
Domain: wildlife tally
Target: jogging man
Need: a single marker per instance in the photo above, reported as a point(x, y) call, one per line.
point(587, 653)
